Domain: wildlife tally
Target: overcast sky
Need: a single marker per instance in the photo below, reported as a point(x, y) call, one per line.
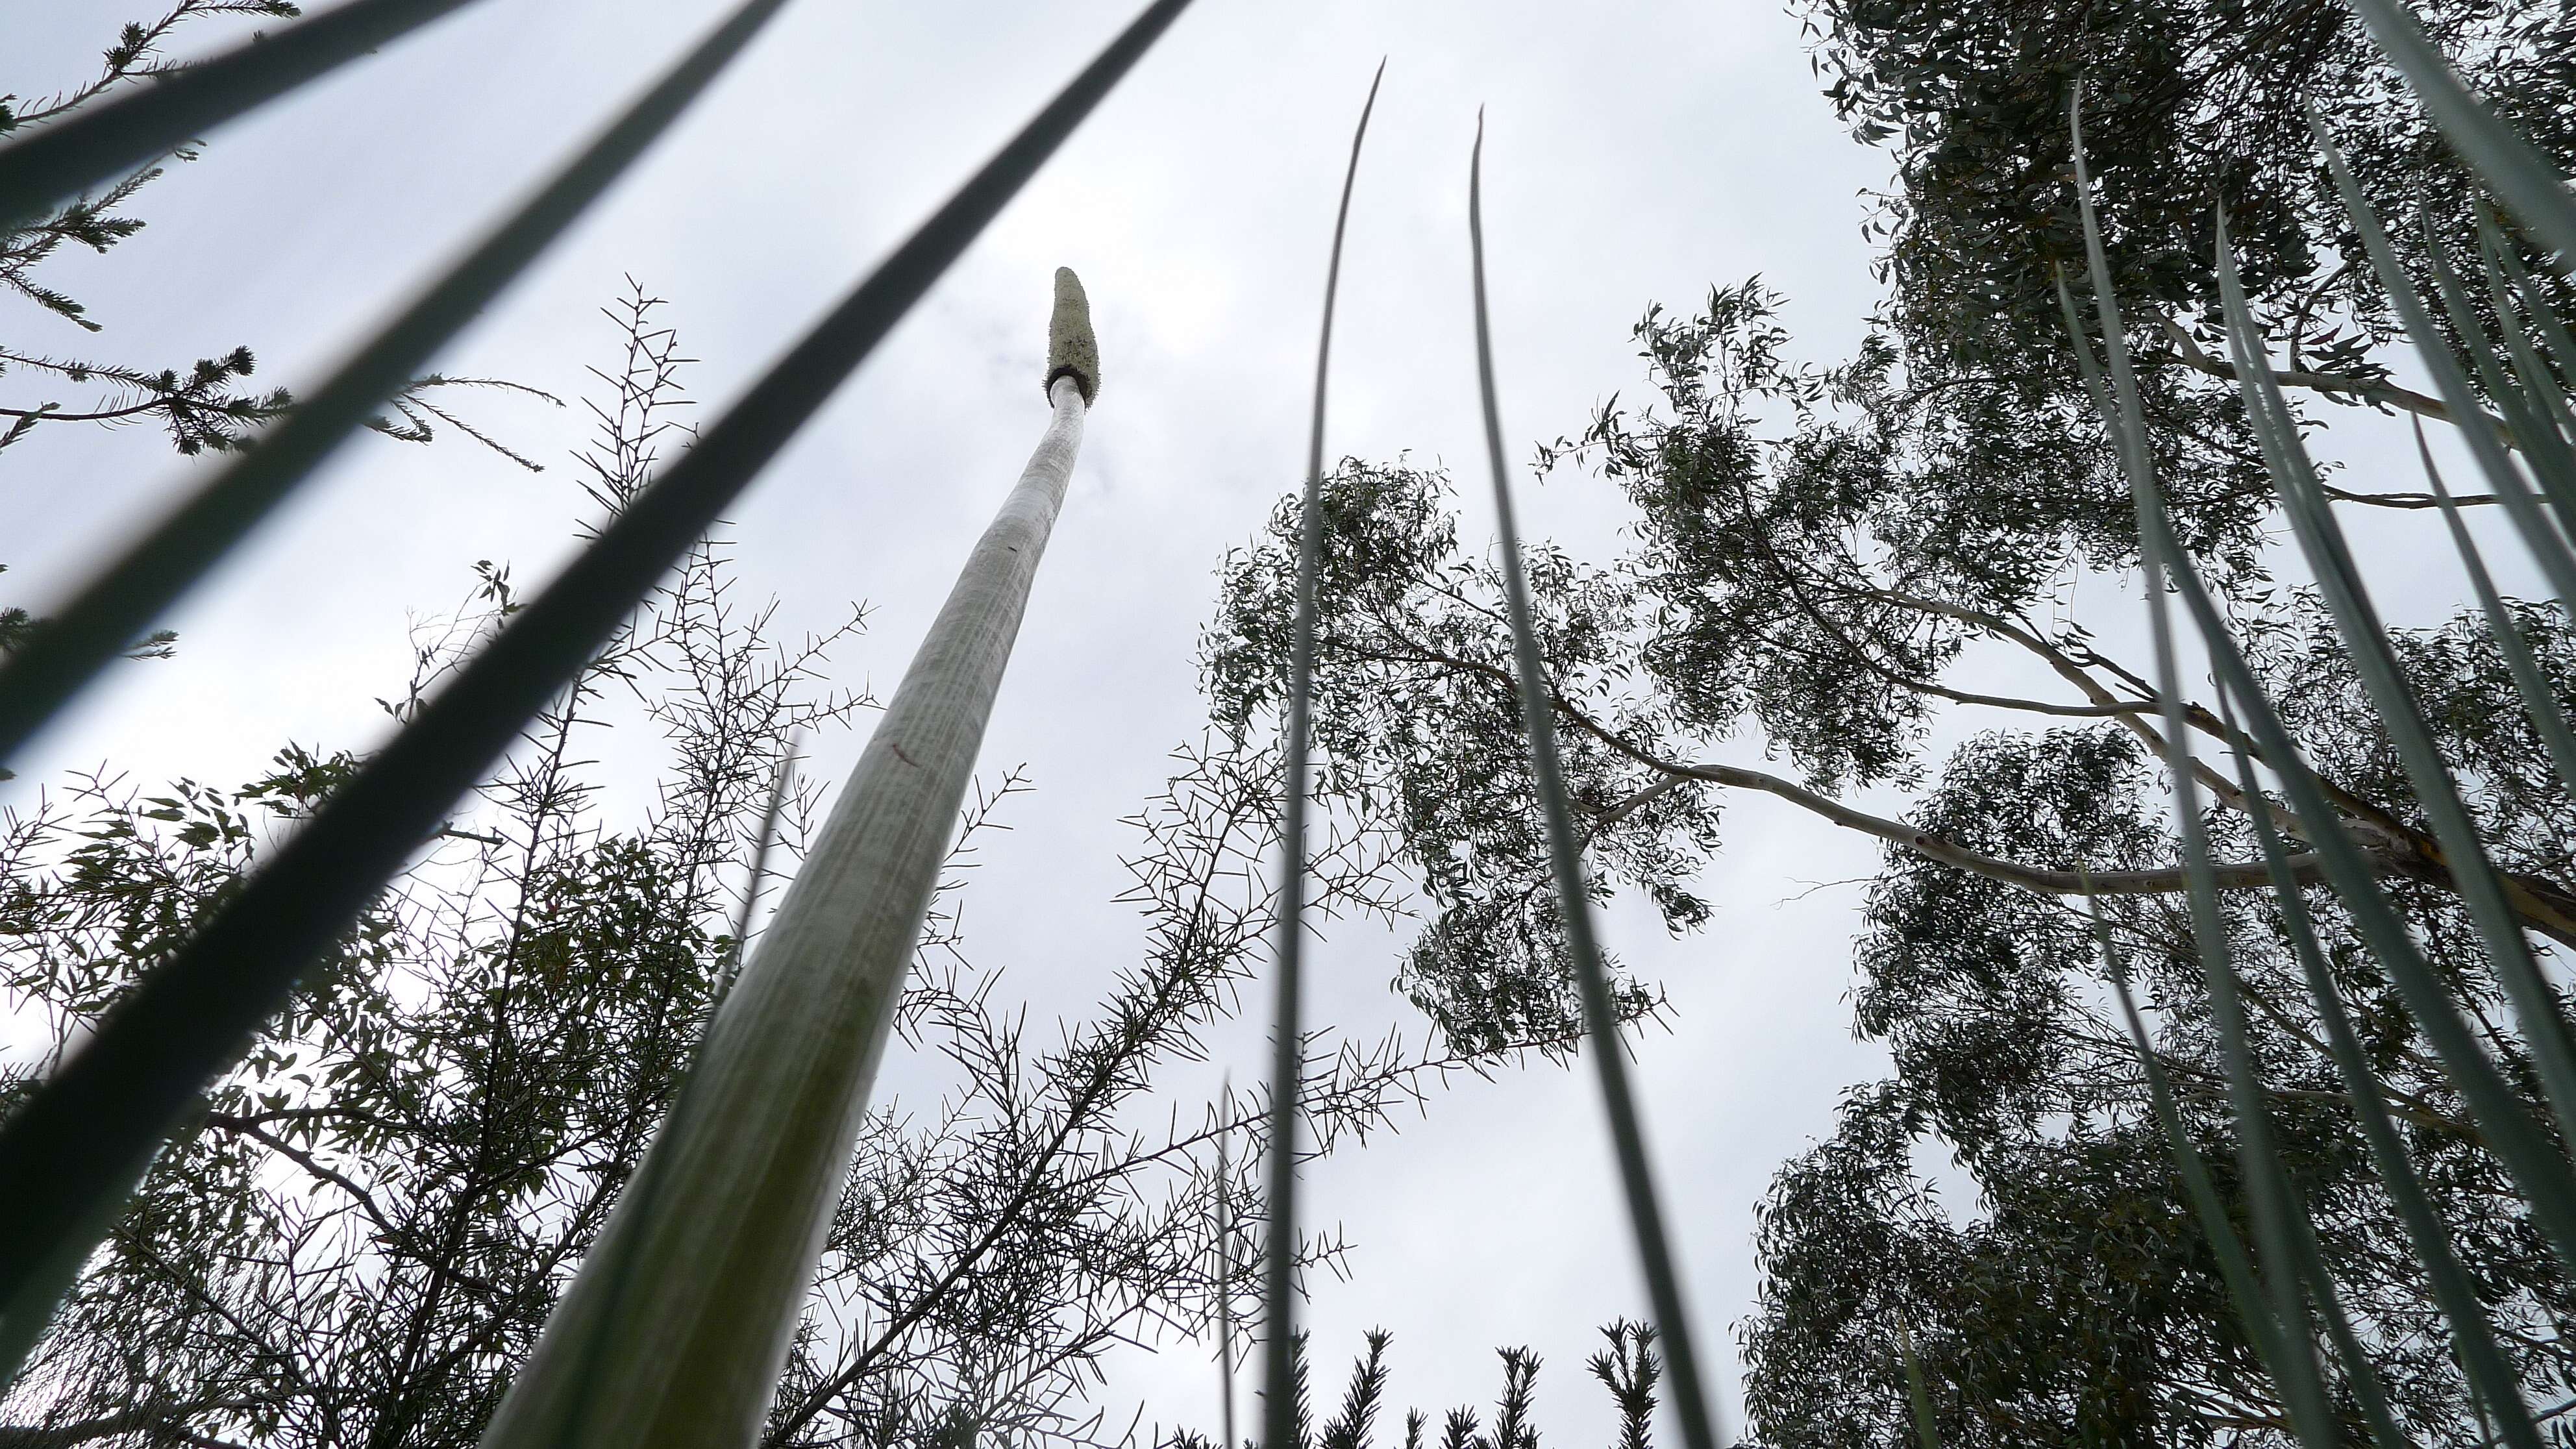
point(1638, 152)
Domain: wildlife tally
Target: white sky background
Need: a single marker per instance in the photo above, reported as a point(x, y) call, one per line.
point(1637, 152)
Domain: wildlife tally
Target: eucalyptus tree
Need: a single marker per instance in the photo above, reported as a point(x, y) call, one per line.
point(361, 1234)
point(1816, 557)
point(2186, 100)
point(1823, 554)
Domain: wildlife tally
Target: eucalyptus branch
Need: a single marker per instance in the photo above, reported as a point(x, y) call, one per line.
point(2372, 390)
point(2249, 875)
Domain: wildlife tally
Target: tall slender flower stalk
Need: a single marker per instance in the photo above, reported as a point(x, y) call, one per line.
point(678, 1326)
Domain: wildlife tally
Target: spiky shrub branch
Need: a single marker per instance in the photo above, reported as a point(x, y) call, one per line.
point(199, 406)
point(1628, 1368)
point(202, 407)
point(452, 1104)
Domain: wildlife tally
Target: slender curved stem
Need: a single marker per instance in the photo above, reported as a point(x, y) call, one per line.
point(1279, 1425)
point(1592, 979)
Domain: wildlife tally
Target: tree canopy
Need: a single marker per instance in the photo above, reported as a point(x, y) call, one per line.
point(370, 1219)
point(1814, 560)
point(2188, 105)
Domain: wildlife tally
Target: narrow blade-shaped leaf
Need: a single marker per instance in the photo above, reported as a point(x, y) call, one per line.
point(185, 101)
point(2539, 701)
point(2537, 1166)
point(2541, 442)
point(2517, 171)
point(2374, 661)
point(2472, 1335)
point(2540, 533)
point(1280, 1422)
point(1574, 904)
point(2274, 1202)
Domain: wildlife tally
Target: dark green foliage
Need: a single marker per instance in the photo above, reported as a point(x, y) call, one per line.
point(1816, 556)
point(2078, 1309)
point(2186, 101)
point(1416, 730)
point(1354, 1425)
point(1629, 1368)
point(2078, 1290)
point(1514, 1424)
point(1783, 494)
point(1813, 586)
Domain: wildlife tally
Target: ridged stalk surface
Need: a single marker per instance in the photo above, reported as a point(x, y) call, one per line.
point(678, 1327)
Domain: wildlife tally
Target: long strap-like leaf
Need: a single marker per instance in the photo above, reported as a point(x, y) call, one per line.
point(2538, 1167)
point(2472, 1335)
point(2510, 166)
point(2284, 1237)
point(2528, 1155)
point(2366, 644)
point(82, 150)
point(1574, 902)
point(1279, 1413)
point(2542, 534)
point(2539, 700)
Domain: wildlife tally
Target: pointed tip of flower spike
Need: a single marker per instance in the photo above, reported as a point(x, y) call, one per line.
point(1071, 349)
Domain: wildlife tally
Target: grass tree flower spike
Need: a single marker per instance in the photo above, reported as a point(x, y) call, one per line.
point(1072, 352)
point(677, 1328)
